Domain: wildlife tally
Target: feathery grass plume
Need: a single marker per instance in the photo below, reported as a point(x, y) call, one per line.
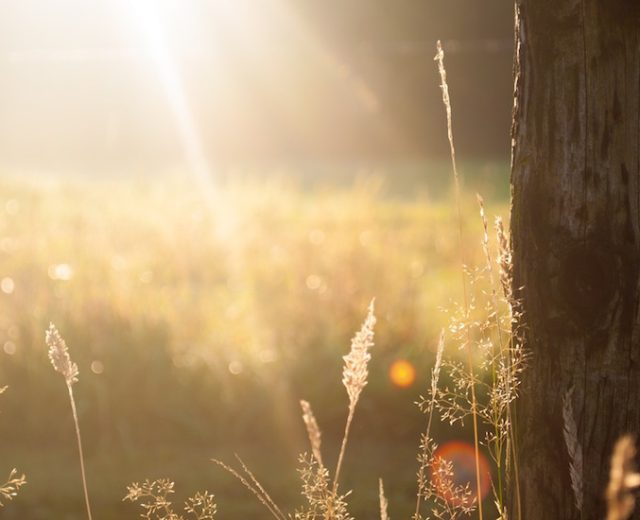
point(502, 443)
point(516, 356)
point(485, 392)
point(61, 361)
point(494, 439)
point(154, 499)
point(10, 488)
point(570, 433)
point(624, 480)
point(496, 379)
point(448, 500)
point(355, 373)
point(384, 504)
point(313, 431)
point(251, 483)
point(439, 59)
point(354, 377)
point(59, 356)
point(321, 502)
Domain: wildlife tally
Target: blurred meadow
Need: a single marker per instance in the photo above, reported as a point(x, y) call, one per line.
point(197, 328)
point(204, 197)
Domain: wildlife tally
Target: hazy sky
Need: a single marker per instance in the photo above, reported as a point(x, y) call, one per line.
point(116, 83)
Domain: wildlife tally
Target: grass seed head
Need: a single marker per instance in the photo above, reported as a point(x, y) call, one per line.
point(59, 355)
point(355, 372)
point(313, 431)
point(384, 504)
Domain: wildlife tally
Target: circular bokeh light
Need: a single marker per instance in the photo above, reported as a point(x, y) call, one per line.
point(402, 373)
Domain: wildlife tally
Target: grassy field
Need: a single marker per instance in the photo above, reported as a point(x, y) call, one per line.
point(199, 322)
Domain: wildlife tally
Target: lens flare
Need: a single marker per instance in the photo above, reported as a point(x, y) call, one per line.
point(462, 458)
point(402, 373)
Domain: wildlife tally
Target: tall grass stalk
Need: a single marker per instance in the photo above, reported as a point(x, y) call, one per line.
point(61, 361)
point(323, 500)
point(505, 273)
point(439, 58)
point(252, 484)
point(354, 378)
point(505, 348)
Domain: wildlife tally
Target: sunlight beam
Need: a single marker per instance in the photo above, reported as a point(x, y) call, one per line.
point(150, 25)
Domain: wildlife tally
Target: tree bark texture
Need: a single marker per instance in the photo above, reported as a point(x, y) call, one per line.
point(576, 244)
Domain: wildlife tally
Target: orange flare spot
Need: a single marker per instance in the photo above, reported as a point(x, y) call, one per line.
point(462, 457)
point(402, 373)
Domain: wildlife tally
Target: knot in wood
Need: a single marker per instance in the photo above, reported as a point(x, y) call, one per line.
point(588, 283)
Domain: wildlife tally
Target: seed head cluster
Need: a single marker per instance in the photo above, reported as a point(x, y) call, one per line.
point(355, 372)
point(59, 355)
point(313, 430)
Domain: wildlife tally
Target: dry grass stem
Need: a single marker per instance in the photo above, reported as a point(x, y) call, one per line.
point(624, 480)
point(354, 378)
point(439, 58)
point(259, 487)
point(313, 431)
point(61, 361)
point(505, 274)
point(252, 485)
point(384, 504)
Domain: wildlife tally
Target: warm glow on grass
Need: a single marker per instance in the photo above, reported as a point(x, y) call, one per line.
point(402, 373)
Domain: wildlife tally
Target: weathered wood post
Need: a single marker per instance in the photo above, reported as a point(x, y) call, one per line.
point(576, 243)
